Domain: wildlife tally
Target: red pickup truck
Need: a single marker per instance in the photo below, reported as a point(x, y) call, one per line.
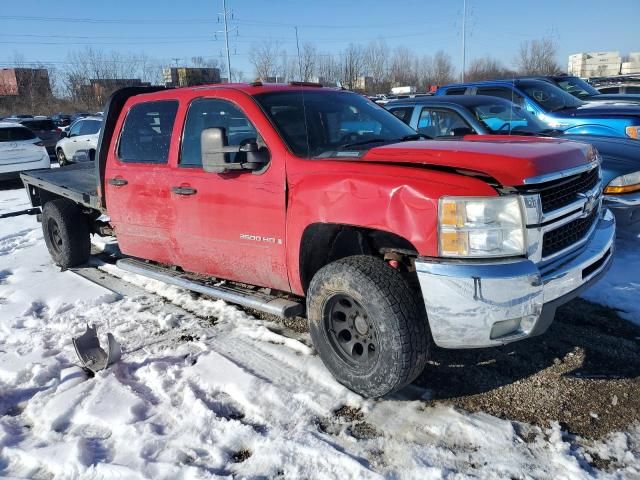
point(307, 201)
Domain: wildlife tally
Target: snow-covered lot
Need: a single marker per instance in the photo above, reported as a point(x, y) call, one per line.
point(205, 390)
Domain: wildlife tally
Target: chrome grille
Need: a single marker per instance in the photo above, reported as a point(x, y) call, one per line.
point(560, 193)
point(566, 235)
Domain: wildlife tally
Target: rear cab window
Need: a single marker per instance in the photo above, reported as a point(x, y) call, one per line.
point(16, 134)
point(455, 91)
point(39, 125)
point(146, 133)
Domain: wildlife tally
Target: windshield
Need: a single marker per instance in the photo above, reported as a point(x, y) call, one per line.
point(550, 97)
point(331, 123)
point(506, 118)
point(576, 87)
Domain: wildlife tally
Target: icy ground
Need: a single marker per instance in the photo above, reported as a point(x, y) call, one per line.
point(204, 390)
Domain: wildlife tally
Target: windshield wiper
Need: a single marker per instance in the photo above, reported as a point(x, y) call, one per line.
point(365, 142)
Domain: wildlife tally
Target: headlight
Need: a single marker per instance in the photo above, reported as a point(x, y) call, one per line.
point(481, 226)
point(624, 184)
point(633, 132)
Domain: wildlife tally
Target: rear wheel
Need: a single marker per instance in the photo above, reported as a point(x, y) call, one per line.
point(66, 233)
point(367, 325)
point(62, 159)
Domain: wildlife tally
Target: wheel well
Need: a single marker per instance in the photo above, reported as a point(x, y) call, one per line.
point(323, 243)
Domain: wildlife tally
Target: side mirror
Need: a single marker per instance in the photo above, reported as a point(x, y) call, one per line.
point(64, 134)
point(214, 148)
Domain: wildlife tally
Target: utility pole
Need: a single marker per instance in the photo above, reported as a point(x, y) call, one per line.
point(226, 39)
point(299, 59)
point(464, 36)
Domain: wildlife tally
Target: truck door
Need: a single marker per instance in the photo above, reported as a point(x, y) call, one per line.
point(137, 181)
point(229, 225)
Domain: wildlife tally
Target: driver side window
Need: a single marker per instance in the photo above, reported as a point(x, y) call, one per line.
point(74, 131)
point(214, 113)
point(440, 123)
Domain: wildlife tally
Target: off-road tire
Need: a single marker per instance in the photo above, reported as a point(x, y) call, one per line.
point(390, 306)
point(66, 233)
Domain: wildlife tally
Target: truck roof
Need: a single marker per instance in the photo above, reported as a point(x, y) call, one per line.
point(253, 88)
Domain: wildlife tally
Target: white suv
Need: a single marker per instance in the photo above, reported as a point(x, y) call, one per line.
point(20, 150)
point(80, 141)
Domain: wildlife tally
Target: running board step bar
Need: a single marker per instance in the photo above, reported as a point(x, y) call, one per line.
point(281, 307)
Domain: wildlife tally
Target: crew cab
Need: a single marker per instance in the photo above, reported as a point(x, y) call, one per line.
point(558, 109)
point(299, 200)
point(456, 116)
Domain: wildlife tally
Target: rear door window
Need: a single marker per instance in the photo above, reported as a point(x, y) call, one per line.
point(440, 123)
point(403, 113)
point(146, 134)
point(499, 92)
point(15, 134)
point(90, 127)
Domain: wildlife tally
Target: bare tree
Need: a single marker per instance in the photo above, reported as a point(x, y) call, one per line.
point(328, 69)
point(308, 61)
point(264, 58)
point(376, 60)
point(401, 70)
point(538, 57)
point(352, 66)
point(442, 70)
point(487, 68)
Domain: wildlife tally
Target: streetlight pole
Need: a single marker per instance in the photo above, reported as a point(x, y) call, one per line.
point(464, 37)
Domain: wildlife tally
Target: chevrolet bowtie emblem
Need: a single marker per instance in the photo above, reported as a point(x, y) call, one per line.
point(590, 204)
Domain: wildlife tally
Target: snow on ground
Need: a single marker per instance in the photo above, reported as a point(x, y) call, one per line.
point(206, 391)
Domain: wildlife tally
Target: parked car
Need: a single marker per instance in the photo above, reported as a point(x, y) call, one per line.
point(624, 89)
point(328, 201)
point(45, 130)
point(20, 150)
point(79, 115)
point(82, 137)
point(61, 119)
point(584, 91)
point(459, 115)
point(557, 108)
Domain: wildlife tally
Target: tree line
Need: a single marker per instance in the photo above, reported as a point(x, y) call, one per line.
point(387, 67)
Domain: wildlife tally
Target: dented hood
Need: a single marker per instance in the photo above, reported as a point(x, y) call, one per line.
point(508, 159)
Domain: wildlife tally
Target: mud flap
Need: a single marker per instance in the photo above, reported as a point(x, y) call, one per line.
point(92, 356)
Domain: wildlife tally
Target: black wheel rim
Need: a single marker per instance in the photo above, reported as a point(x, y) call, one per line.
point(53, 230)
point(352, 334)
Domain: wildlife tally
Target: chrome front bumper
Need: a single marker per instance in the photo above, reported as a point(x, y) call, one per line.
point(626, 208)
point(473, 305)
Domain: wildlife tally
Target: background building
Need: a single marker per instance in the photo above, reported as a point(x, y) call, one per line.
point(632, 65)
point(24, 82)
point(594, 64)
point(190, 76)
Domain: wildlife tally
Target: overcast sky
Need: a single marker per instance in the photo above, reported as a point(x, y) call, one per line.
point(45, 31)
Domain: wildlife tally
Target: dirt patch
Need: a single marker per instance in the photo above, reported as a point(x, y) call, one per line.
point(240, 456)
point(583, 372)
point(350, 421)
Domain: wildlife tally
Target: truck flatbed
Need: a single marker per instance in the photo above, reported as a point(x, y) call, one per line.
point(76, 182)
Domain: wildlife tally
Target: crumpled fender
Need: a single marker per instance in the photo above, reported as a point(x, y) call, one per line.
point(397, 199)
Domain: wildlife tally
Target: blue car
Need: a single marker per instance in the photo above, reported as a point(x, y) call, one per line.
point(583, 91)
point(558, 109)
point(456, 116)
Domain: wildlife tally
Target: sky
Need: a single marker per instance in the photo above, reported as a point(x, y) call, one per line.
point(46, 31)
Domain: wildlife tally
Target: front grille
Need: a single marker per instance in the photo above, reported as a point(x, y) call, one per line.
point(568, 234)
point(560, 193)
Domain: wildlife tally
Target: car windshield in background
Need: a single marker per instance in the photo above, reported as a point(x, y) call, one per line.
point(39, 124)
point(576, 87)
point(506, 119)
point(15, 134)
point(549, 96)
point(322, 124)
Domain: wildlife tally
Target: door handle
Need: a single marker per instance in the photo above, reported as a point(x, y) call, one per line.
point(117, 182)
point(184, 190)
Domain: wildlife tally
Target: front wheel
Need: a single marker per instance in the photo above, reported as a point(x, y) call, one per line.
point(66, 233)
point(62, 159)
point(367, 325)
